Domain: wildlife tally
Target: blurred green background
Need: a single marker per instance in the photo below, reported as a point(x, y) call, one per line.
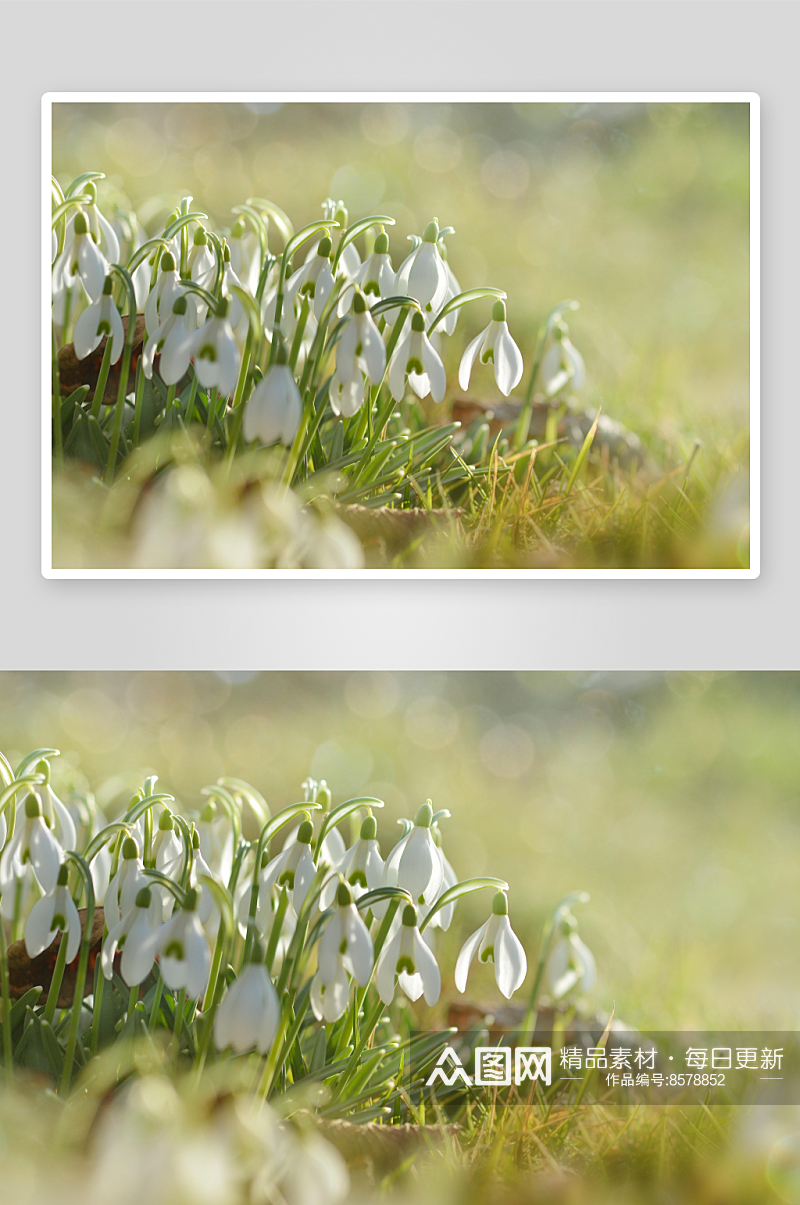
point(640, 212)
point(673, 799)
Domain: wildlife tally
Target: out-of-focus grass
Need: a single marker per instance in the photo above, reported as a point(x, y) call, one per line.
point(640, 212)
point(671, 799)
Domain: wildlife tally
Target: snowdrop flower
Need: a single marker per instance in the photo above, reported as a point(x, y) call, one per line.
point(423, 274)
point(349, 260)
point(444, 916)
point(361, 865)
point(101, 229)
point(166, 846)
point(249, 1013)
point(100, 869)
point(19, 894)
point(125, 885)
point(81, 260)
point(345, 949)
point(376, 276)
point(58, 818)
point(167, 341)
point(200, 870)
point(201, 263)
point(330, 991)
point(293, 866)
point(571, 966)
point(215, 832)
point(562, 364)
point(416, 358)
point(136, 936)
point(266, 910)
point(34, 843)
point(361, 348)
point(407, 956)
point(495, 942)
point(101, 318)
point(314, 279)
point(274, 411)
point(185, 958)
point(346, 399)
point(213, 350)
point(54, 913)
point(229, 280)
point(495, 346)
point(415, 863)
point(245, 255)
point(448, 323)
point(164, 294)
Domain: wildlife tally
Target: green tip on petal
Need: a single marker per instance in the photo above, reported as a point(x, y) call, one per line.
point(81, 226)
point(195, 839)
point(382, 243)
point(344, 895)
point(167, 262)
point(129, 849)
point(143, 897)
point(33, 807)
point(424, 816)
point(431, 232)
point(324, 247)
point(63, 875)
point(369, 829)
point(417, 321)
point(410, 916)
point(499, 311)
point(305, 833)
point(500, 904)
point(90, 188)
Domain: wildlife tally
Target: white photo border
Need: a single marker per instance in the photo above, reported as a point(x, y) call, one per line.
point(750, 98)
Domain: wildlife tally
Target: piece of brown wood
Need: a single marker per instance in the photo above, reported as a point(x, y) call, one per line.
point(25, 972)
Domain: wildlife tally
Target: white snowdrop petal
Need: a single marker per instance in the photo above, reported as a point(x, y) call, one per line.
point(466, 955)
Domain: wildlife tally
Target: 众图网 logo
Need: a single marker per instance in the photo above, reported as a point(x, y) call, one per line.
point(495, 1066)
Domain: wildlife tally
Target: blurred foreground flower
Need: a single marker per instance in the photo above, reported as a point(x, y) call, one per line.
point(571, 968)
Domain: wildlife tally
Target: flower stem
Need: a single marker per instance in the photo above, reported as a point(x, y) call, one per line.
point(6, 992)
point(102, 379)
point(138, 402)
point(55, 982)
point(58, 435)
point(238, 404)
point(97, 1005)
point(156, 1009)
point(120, 405)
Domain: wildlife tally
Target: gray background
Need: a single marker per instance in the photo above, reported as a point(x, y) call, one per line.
point(399, 623)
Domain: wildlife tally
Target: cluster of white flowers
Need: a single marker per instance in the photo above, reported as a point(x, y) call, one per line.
point(167, 883)
point(200, 296)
